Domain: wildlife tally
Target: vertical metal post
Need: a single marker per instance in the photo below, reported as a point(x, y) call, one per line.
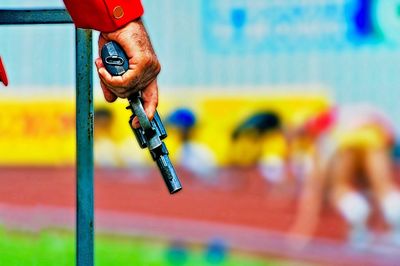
point(84, 152)
point(84, 122)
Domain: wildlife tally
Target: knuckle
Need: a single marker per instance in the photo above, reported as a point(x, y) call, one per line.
point(125, 93)
point(113, 90)
point(157, 67)
point(133, 82)
point(155, 63)
point(125, 83)
point(144, 59)
point(150, 61)
point(119, 84)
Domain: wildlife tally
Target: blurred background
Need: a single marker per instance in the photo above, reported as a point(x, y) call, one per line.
point(283, 124)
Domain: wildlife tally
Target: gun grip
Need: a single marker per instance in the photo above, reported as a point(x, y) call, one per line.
point(114, 59)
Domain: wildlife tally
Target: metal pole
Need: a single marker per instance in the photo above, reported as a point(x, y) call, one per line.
point(84, 152)
point(84, 122)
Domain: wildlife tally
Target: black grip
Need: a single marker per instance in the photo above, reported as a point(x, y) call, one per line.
point(114, 59)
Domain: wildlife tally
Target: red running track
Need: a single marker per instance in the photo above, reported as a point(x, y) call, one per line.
point(241, 197)
point(241, 208)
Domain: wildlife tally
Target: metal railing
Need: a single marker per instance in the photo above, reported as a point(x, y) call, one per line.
point(84, 122)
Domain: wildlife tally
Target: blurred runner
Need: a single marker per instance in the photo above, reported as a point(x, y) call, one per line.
point(351, 156)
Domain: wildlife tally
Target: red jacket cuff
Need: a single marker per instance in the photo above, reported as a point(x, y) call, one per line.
point(103, 15)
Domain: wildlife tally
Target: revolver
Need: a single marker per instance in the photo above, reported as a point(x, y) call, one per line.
point(150, 134)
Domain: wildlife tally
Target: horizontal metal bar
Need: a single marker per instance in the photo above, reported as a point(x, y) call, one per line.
point(34, 16)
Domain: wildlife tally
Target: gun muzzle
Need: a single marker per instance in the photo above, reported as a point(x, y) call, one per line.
point(168, 173)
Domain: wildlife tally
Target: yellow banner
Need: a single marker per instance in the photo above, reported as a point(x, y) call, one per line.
point(43, 132)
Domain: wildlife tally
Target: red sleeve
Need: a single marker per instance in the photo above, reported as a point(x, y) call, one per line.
point(103, 15)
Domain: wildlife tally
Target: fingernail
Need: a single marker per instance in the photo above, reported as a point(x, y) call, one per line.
point(135, 123)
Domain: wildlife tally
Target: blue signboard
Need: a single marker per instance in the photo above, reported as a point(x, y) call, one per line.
point(292, 25)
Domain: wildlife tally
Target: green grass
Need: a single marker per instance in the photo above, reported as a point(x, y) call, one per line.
point(58, 248)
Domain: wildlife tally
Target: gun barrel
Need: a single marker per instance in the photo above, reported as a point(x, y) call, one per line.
point(168, 173)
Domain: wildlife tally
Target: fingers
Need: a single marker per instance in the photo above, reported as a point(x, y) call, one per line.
point(122, 86)
point(103, 73)
point(149, 94)
point(135, 122)
point(150, 99)
point(108, 95)
point(130, 82)
point(150, 102)
point(143, 62)
point(143, 68)
point(119, 85)
point(110, 82)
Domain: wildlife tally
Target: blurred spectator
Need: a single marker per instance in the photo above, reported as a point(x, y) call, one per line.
point(105, 152)
point(177, 253)
point(193, 156)
point(217, 251)
point(109, 151)
point(259, 141)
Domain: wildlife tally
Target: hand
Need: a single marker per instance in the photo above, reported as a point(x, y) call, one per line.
point(143, 67)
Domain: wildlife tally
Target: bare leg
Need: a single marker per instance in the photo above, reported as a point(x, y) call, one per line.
point(351, 204)
point(342, 171)
point(379, 168)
